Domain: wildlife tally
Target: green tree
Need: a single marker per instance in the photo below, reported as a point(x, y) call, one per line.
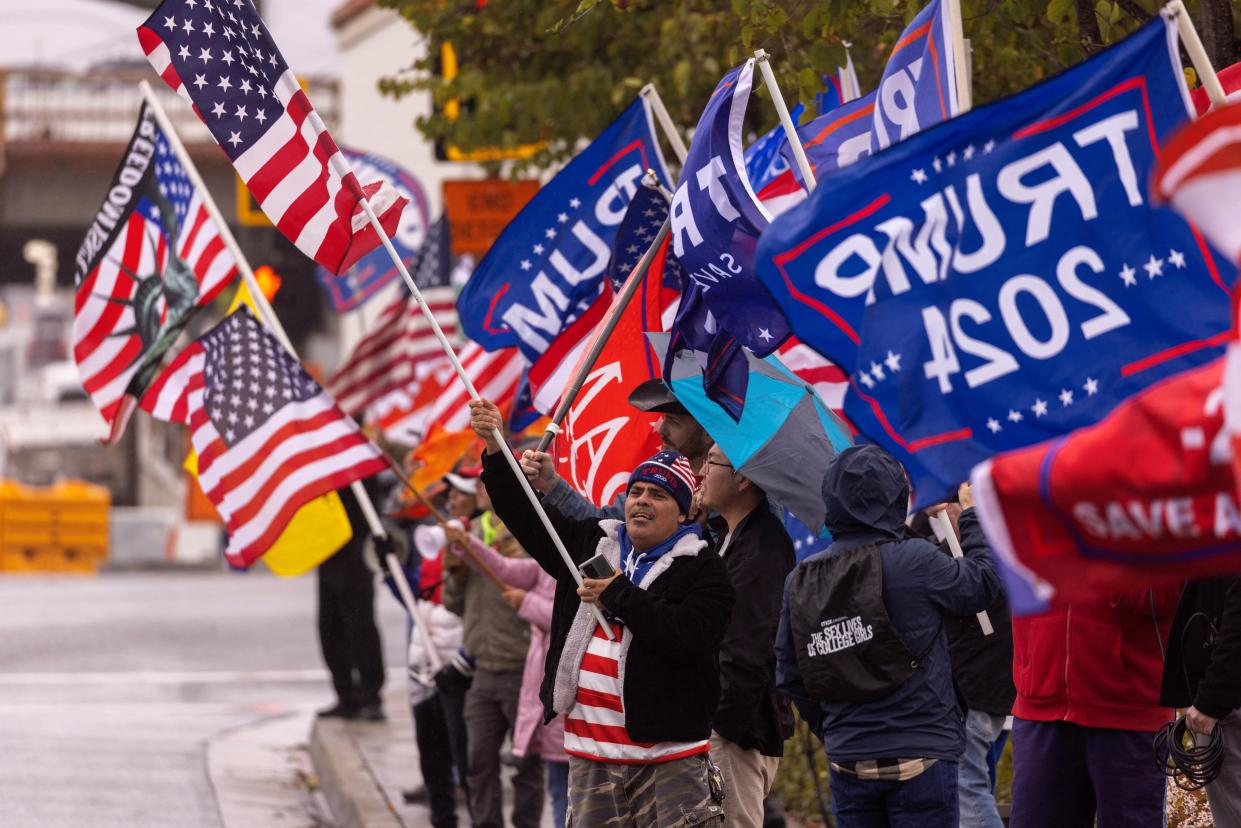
point(557, 71)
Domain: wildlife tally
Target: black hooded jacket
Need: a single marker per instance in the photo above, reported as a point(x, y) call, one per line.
point(866, 495)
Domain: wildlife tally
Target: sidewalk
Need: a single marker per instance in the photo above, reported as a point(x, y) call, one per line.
point(362, 767)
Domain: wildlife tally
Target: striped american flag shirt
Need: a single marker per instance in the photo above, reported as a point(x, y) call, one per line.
point(595, 727)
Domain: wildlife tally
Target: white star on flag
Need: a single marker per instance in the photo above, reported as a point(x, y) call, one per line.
point(877, 370)
point(918, 176)
point(764, 334)
point(1014, 416)
point(969, 152)
point(893, 361)
point(1039, 408)
point(987, 147)
point(1177, 258)
point(866, 380)
point(994, 425)
point(1066, 397)
point(1127, 275)
point(1154, 267)
point(1091, 387)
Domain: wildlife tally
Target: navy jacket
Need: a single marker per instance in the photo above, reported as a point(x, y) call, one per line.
point(866, 495)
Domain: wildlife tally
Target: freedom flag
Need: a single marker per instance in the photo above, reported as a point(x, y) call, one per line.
point(268, 438)
point(375, 271)
point(387, 359)
point(151, 258)
point(221, 58)
point(1003, 278)
point(1147, 495)
point(918, 89)
point(604, 437)
point(546, 267)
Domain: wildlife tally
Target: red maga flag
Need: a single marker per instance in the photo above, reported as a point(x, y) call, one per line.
point(268, 438)
point(1144, 496)
point(220, 57)
point(604, 437)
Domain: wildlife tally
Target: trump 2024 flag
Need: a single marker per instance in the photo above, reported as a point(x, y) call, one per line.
point(220, 57)
point(1004, 278)
point(268, 438)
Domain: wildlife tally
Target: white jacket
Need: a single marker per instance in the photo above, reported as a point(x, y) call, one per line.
point(446, 636)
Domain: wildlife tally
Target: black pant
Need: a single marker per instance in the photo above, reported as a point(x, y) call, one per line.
point(347, 632)
point(435, 759)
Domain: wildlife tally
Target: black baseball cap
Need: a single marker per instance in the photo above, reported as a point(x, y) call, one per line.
point(656, 397)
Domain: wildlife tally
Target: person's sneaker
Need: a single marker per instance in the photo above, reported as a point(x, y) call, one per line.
point(338, 711)
point(413, 796)
point(372, 713)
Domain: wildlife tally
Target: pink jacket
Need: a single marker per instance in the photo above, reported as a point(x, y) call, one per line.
point(529, 733)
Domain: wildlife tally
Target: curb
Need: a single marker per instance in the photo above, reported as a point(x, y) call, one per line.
point(346, 779)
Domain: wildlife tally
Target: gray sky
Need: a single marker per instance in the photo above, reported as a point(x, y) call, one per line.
point(73, 34)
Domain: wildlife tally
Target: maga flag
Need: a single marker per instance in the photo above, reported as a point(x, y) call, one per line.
point(547, 266)
point(604, 437)
point(1147, 495)
point(151, 258)
point(221, 58)
point(1003, 279)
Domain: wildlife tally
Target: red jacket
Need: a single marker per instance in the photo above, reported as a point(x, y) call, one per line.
point(1096, 665)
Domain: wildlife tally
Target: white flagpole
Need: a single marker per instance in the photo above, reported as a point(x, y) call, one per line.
point(1197, 53)
point(960, 58)
point(790, 131)
point(266, 312)
point(473, 392)
point(651, 94)
point(945, 529)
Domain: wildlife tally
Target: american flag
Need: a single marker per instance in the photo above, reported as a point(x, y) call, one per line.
point(219, 57)
point(441, 399)
point(151, 257)
point(268, 438)
point(388, 358)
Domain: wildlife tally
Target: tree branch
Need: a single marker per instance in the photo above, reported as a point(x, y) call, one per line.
point(1088, 26)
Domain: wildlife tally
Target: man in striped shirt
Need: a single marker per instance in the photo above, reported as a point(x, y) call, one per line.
point(640, 706)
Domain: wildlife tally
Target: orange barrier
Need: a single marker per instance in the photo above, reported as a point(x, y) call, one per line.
point(61, 528)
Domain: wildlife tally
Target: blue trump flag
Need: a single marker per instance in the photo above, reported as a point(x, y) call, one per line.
point(918, 89)
point(548, 264)
point(716, 220)
point(1003, 278)
point(375, 270)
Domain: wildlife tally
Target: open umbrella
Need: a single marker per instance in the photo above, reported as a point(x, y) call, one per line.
point(786, 436)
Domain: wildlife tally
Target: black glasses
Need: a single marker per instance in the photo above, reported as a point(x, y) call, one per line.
point(721, 465)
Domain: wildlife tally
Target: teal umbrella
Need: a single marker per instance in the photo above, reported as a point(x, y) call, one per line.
point(786, 436)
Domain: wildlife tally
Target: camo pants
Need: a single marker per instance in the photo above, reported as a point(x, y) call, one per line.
point(665, 795)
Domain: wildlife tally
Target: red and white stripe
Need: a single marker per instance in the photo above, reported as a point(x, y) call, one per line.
point(595, 727)
point(495, 374)
point(299, 176)
point(827, 379)
point(306, 449)
point(552, 372)
point(107, 361)
point(387, 359)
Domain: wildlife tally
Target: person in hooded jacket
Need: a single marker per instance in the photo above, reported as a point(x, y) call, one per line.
point(894, 757)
